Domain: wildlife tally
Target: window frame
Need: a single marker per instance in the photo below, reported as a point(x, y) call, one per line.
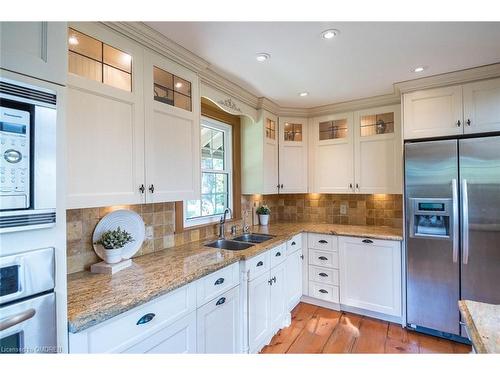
point(228, 163)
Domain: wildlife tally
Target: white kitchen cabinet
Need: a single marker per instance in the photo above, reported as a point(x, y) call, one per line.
point(278, 297)
point(259, 312)
point(370, 275)
point(378, 151)
point(433, 113)
point(172, 140)
point(36, 49)
point(332, 154)
point(105, 134)
point(482, 106)
point(293, 137)
point(293, 267)
point(259, 154)
point(219, 324)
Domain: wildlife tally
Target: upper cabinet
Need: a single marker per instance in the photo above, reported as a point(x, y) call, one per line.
point(172, 116)
point(292, 155)
point(259, 154)
point(36, 49)
point(357, 152)
point(453, 110)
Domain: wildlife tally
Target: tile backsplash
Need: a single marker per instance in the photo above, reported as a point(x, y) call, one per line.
point(360, 209)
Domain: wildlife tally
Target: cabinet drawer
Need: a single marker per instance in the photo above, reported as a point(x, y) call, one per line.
point(278, 254)
point(216, 283)
point(120, 333)
point(324, 275)
point(325, 292)
point(323, 258)
point(294, 244)
point(322, 242)
point(258, 265)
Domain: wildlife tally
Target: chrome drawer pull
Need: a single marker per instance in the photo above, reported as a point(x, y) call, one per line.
point(323, 241)
point(278, 254)
point(146, 319)
point(260, 264)
point(367, 241)
point(322, 274)
point(219, 281)
point(220, 301)
point(323, 291)
point(322, 258)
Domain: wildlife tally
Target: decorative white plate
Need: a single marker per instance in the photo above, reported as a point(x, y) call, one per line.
point(126, 220)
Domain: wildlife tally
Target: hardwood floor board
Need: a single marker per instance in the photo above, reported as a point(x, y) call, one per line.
point(459, 348)
point(399, 341)
point(316, 332)
point(344, 335)
point(372, 336)
point(282, 341)
point(429, 344)
point(302, 313)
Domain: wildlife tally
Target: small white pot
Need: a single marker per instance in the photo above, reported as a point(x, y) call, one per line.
point(112, 256)
point(264, 219)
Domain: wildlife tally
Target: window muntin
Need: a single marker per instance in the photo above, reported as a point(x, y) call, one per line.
point(172, 90)
point(216, 179)
point(95, 60)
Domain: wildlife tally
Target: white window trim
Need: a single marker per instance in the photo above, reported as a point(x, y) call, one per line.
point(228, 155)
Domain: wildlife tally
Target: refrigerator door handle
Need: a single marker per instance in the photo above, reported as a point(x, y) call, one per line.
point(454, 192)
point(465, 222)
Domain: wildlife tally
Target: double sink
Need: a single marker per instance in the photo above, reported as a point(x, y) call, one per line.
point(242, 242)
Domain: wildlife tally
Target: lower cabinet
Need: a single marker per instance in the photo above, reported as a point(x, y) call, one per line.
point(370, 275)
point(293, 265)
point(219, 324)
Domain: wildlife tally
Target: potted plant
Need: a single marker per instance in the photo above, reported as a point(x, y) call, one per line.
point(263, 212)
point(112, 242)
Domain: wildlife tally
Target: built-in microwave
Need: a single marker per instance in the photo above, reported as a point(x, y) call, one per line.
point(27, 156)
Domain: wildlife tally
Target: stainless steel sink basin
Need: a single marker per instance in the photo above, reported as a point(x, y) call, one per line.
point(253, 237)
point(229, 245)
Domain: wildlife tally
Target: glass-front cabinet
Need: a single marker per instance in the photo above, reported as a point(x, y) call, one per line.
point(292, 155)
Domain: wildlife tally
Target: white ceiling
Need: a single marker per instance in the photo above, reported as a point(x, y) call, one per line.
point(363, 61)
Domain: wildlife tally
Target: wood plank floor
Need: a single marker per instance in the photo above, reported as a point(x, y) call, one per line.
point(318, 330)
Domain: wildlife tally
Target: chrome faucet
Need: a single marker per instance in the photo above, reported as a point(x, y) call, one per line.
point(223, 221)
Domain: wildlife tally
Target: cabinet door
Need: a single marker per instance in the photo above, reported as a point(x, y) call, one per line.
point(270, 153)
point(293, 279)
point(278, 297)
point(173, 165)
point(378, 150)
point(259, 310)
point(332, 157)
point(370, 274)
point(433, 113)
point(482, 106)
point(219, 324)
point(179, 337)
point(105, 135)
point(37, 49)
point(292, 155)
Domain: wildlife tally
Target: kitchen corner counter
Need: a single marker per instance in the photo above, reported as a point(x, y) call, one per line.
point(483, 325)
point(94, 298)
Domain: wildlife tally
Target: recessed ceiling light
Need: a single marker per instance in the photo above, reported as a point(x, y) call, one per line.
point(73, 40)
point(330, 33)
point(261, 57)
point(419, 69)
point(305, 93)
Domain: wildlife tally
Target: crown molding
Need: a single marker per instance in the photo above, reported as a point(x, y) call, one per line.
point(154, 40)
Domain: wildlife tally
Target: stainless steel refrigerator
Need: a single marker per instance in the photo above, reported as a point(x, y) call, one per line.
point(452, 218)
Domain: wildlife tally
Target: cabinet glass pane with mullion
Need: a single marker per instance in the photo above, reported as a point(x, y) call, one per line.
point(382, 123)
point(270, 129)
point(292, 132)
point(172, 90)
point(333, 129)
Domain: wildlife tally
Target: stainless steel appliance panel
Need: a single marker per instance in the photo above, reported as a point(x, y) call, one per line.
point(29, 326)
point(431, 171)
point(480, 184)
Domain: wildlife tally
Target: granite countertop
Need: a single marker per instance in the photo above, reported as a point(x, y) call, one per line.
point(94, 298)
point(483, 325)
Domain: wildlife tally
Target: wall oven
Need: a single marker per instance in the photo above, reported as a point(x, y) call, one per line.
point(27, 303)
point(27, 156)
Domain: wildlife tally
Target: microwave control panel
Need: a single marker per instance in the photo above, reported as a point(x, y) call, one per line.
point(14, 159)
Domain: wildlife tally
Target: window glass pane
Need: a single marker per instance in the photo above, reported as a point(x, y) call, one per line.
point(163, 78)
point(84, 44)
point(382, 123)
point(117, 78)
point(182, 101)
point(207, 183)
point(182, 86)
point(193, 208)
point(117, 58)
point(85, 67)
point(220, 183)
point(220, 203)
point(207, 205)
point(332, 129)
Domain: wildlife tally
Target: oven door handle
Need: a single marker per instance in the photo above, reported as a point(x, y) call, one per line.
point(13, 320)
